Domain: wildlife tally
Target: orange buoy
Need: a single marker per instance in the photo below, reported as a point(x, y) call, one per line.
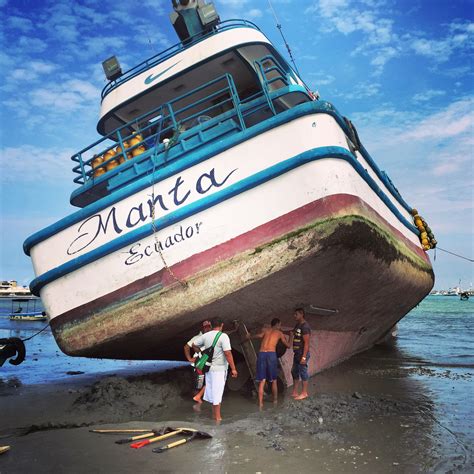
point(121, 156)
point(138, 151)
point(96, 161)
point(99, 172)
point(112, 164)
point(134, 141)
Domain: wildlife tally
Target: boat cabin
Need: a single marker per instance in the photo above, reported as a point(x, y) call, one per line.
point(27, 308)
point(213, 85)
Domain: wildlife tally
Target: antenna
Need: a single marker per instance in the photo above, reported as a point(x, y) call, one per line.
point(278, 25)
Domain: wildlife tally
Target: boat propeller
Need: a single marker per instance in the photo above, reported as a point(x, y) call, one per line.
point(12, 348)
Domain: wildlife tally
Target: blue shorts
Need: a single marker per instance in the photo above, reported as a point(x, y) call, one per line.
point(300, 371)
point(267, 366)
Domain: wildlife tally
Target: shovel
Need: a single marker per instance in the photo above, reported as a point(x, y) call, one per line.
point(144, 435)
point(118, 431)
point(195, 434)
point(168, 433)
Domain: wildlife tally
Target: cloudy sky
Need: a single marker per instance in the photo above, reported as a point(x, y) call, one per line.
point(400, 69)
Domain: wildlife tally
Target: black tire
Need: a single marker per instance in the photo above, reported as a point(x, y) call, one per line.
point(20, 351)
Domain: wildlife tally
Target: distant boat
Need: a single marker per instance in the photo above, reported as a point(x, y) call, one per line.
point(464, 295)
point(26, 309)
point(9, 288)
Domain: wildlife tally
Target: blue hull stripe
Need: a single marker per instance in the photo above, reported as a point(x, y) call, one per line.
point(174, 167)
point(212, 200)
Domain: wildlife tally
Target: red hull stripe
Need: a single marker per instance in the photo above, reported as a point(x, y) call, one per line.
point(321, 208)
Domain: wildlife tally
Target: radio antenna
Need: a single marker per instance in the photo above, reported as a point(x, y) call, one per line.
point(278, 25)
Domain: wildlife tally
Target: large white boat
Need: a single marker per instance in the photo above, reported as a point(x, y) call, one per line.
point(222, 186)
point(9, 288)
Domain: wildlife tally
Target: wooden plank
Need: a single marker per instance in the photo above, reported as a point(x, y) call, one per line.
point(248, 350)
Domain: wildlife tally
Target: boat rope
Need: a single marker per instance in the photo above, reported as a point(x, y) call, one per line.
point(456, 255)
point(35, 334)
point(278, 25)
point(183, 283)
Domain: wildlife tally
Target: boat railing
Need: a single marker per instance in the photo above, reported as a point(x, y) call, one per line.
point(172, 50)
point(160, 127)
point(200, 116)
point(270, 72)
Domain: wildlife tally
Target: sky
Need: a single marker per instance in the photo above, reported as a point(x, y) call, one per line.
point(401, 70)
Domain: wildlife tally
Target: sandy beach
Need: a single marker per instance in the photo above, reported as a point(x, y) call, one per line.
point(369, 414)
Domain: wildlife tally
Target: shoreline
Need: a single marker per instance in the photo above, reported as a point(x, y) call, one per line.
point(367, 415)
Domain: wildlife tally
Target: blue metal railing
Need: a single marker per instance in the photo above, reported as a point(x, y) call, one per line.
point(171, 51)
point(183, 120)
point(279, 75)
point(166, 121)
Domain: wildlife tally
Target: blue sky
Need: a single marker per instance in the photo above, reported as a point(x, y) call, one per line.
point(401, 70)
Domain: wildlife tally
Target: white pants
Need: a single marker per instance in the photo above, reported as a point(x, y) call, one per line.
point(215, 382)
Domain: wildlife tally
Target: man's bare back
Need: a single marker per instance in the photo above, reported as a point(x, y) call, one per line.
point(270, 339)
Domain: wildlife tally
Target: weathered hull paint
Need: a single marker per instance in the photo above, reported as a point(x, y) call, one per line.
point(336, 252)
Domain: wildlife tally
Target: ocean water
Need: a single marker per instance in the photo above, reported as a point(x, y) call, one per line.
point(437, 334)
point(44, 360)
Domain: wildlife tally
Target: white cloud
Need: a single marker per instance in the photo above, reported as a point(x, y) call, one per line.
point(320, 79)
point(377, 36)
point(22, 24)
point(428, 95)
point(428, 156)
point(366, 18)
point(364, 90)
point(68, 97)
point(30, 44)
point(42, 67)
point(459, 37)
point(32, 71)
point(233, 3)
point(27, 164)
point(456, 119)
point(255, 13)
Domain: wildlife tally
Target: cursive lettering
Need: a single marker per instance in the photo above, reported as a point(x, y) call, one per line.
point(140, 213)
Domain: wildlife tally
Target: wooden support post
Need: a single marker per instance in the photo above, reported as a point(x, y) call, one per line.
point(248, 350)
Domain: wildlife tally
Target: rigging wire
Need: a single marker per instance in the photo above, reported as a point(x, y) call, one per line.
point(278, 25)
point(456, 255)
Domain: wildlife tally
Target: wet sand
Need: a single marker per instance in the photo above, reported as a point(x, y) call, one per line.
point(367, 415)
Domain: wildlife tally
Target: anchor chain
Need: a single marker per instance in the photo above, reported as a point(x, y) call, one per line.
point(183, 283)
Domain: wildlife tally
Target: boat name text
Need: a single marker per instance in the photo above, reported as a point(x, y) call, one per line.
point(116, 221)
point(138, 251)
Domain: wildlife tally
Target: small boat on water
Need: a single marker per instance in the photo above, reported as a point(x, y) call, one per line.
point(223, 186)
point(26, 309)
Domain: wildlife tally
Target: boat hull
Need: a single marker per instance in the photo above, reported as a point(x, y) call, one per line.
point(335, 253)
point(292, 216)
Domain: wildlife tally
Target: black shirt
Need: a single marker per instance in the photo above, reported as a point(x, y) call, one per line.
point(298, 332)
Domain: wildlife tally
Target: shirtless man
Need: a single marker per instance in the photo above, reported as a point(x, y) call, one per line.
point(267, 361)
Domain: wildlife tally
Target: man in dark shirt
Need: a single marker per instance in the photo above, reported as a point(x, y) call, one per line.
point(300, 339)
